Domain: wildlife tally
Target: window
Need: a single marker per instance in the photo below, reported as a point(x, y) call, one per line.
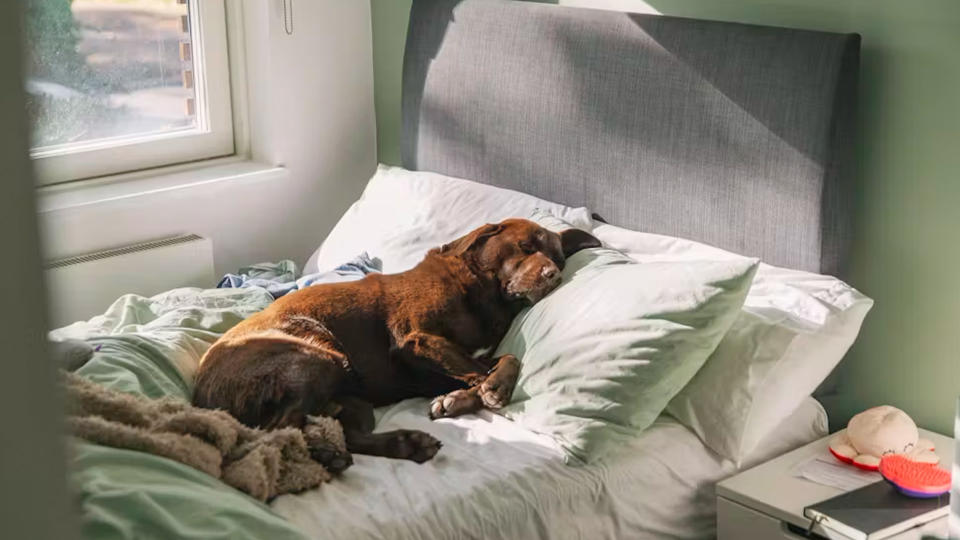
point(121, 85)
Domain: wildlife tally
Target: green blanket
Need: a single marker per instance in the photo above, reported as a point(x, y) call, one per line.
point(151, 347)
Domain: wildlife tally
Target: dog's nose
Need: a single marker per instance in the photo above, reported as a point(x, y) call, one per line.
point(549, 272)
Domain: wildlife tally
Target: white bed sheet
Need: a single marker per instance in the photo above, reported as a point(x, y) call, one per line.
point(494, 479)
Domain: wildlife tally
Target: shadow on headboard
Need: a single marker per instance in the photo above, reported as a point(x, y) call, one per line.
point(734, 135)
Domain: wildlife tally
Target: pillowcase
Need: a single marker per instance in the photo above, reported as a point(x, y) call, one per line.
point(403, 214)
point(806, 424)
point(794, 328)
point(604, 353)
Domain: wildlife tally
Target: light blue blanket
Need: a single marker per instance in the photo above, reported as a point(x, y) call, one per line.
point(280, 278)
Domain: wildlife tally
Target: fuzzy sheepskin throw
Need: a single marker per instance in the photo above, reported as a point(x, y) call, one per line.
point(263, 464)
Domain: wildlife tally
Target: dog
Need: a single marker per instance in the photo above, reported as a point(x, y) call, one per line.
point(340, 349)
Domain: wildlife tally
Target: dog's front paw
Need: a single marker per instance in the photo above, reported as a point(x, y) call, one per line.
point(413, 445)
point(495, 392)
point(455, 403)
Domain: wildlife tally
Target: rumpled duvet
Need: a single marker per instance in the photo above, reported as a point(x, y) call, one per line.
point(151, 347)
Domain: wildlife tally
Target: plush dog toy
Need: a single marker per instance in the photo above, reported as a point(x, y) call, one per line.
point(879, 432)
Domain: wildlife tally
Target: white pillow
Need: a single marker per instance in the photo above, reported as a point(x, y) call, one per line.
point(792, 331)
point(403, 214)
point(806, 424)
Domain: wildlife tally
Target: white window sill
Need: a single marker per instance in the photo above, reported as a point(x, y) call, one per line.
point(88, 192)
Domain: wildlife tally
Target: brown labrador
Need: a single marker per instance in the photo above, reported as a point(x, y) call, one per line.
point(343, 348)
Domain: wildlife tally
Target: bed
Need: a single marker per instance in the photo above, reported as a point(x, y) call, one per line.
point(733, 135)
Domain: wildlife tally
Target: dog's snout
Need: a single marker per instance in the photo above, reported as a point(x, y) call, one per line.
point(549, 272)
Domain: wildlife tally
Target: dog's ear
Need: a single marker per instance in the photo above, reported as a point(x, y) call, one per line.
point(573, 240)
point(474, 238)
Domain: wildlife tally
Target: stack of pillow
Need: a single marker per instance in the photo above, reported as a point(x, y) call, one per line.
point(647, 324)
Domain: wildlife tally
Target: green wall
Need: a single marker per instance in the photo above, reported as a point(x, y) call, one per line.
point(906, 252)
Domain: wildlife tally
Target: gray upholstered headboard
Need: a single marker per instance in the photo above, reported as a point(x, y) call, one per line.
point(734, 135)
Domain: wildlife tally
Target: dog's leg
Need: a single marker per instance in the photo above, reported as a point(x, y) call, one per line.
point(273, 384)
point(439, 355)
point(494, 392)
point(268, 382)
point(356, 417)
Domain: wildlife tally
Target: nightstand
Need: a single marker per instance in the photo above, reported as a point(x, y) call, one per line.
point(767, 501)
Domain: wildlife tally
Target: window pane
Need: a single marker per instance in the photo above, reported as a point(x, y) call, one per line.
point(108, 68)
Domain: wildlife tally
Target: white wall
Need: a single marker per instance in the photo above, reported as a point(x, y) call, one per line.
point(311, 101)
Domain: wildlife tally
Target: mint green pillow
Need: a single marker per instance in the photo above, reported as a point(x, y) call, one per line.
point(604, 353)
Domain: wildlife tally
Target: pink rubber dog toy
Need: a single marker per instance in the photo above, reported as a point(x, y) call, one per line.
point(915, 479)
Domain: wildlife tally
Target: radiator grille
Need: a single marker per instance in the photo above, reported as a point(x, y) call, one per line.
point(132, 248)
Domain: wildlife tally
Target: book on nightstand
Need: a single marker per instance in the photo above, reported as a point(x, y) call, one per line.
point(876, 511)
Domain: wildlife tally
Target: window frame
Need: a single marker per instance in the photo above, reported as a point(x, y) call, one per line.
point(212, 137)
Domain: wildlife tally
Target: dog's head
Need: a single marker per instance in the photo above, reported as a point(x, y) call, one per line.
point(524, 258)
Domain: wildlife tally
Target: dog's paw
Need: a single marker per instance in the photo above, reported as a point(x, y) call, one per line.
point(495, 392)
point(322, 436)
point(455, 403)
point(437, 409)
point(413, 445)
point(332, 458)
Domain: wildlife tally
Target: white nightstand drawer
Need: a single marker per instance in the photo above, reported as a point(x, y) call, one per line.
point(736, 522)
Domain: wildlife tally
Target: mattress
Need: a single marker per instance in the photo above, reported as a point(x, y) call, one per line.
point(494, 479)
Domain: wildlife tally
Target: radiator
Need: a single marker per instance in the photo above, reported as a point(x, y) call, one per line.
point(83, 286)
